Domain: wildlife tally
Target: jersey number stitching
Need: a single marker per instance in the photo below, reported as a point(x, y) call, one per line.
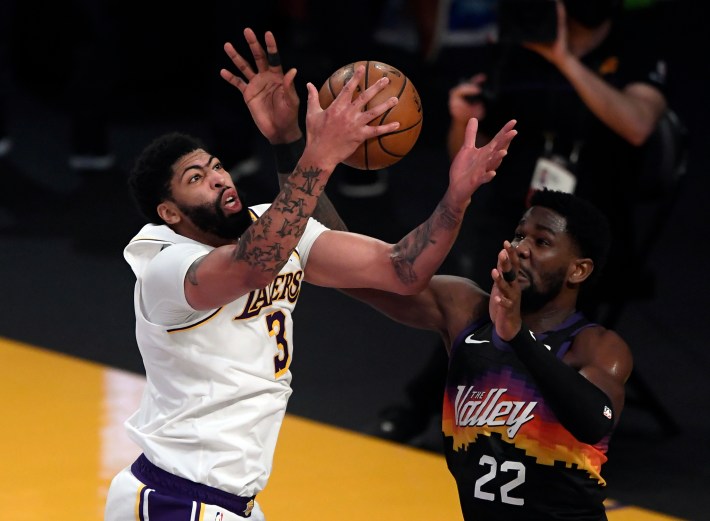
point(504, 489)
point(276, 324)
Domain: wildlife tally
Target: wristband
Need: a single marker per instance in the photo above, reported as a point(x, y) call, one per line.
point(288, 154)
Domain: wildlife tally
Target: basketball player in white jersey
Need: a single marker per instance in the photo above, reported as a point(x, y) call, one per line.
point(217, 283)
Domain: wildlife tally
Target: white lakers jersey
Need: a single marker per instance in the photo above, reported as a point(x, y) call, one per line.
point(217, 381)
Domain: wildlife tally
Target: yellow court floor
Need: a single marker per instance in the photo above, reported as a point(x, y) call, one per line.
point(63, 441)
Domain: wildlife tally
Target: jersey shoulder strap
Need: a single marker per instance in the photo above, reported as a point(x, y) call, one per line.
point(561, 338)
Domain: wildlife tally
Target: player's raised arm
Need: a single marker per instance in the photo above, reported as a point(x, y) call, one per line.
point(351, 260)
point(263, 249)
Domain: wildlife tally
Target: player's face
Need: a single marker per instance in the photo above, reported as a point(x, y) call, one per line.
point(205, 194)
point(546, 253)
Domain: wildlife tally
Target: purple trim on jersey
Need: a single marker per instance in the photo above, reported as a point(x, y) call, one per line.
point(185, 491)
point(564, 347)
point(467, 331)
point(182, 328)
point(501, 344)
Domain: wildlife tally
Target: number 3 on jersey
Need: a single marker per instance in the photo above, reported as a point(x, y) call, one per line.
point(276, 324)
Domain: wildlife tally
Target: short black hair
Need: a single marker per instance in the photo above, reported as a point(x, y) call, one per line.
point(587, 226)
point(149, 180)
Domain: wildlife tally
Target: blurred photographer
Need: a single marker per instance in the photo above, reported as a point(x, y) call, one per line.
point(587, 99)
point(586, 96)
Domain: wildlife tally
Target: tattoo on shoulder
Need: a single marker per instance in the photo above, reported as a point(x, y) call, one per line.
point(191, 274)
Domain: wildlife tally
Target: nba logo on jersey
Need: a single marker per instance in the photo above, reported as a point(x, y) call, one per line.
point(607, 412)
point(219, 516)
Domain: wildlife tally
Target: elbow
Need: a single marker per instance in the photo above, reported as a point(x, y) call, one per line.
point(640, 132)
point(592, 436)
point(636, 135)
point(593, 429)
point(258, 279)
point(406, 281)
point(639, 137)
point(412, 288)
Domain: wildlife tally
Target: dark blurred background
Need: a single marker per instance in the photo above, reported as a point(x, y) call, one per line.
point(85, 85)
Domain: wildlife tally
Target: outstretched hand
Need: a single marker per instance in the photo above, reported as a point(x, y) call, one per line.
point(337, 131)
point(473, 166)
point(504, 304)
point(269, 94)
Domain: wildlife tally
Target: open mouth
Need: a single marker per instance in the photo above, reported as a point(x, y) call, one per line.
point(230, 201)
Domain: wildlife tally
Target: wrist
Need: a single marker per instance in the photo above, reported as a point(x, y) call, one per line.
point(288, 154)
point(314, 160)
point(522, 339)
point(455, 204)
point(288, 136)
point(566, 64)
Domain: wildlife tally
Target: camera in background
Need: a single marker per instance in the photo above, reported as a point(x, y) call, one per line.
point(533, 21)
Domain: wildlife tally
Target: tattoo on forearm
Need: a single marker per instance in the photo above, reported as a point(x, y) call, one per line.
point(259, 245)
point(262, 231)
point(286, 229)
point(410, 248)
point(285, 195)
point(310, 176)
point(255, 255)
point(265, 256)
point(300, 227)
point(403, 265)
point(448, 219)
point(407, 250)
point(294, 207)
point(304, 180)
point(245, 242)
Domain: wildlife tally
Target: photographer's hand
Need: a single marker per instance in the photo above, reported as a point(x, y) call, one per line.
point(465, 102)
point(632, 112)
point(558, 51)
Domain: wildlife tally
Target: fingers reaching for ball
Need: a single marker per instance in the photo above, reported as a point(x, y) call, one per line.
point(382, 150)
point(339, 129)
point(473, 166)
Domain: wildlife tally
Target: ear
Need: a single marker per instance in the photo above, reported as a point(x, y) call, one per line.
point(581, 270)
point(169, 213)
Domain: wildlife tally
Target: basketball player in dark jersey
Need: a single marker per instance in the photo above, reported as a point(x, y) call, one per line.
point(533, 389)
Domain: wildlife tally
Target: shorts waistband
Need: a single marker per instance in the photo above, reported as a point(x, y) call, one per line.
point(163, 481)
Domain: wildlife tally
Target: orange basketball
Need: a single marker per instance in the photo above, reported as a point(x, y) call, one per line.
point(387, 149)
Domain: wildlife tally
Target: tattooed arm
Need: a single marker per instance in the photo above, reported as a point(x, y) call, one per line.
point(272, 100)
point(340, 259)
point(325, 212)
point(349, 260)
point(233, 270)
